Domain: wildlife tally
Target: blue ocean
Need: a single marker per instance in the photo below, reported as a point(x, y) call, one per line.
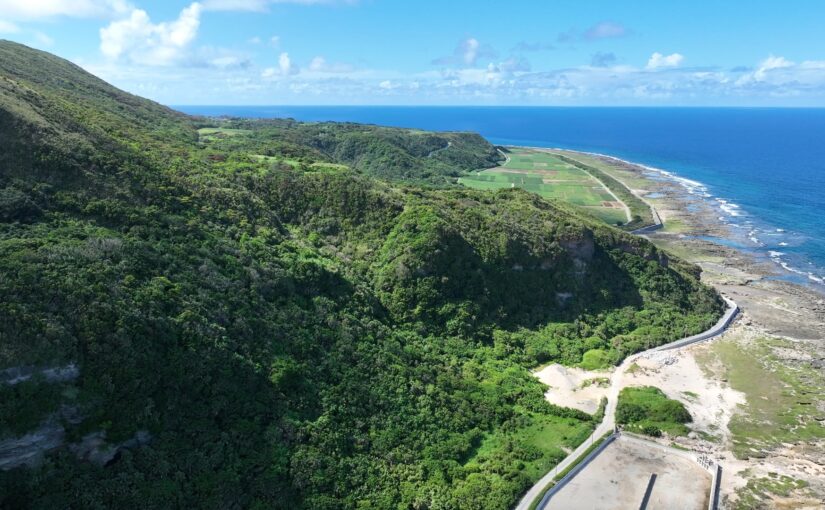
point(764, 168)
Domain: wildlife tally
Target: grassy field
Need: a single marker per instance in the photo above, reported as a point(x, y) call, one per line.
point(546, 438)
point(781, 398)
point(760, 492)
point(548, 176)
point(318, 166)
point(207, 134)
point(617, 180)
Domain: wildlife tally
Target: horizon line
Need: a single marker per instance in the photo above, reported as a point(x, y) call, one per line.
point(686, 107)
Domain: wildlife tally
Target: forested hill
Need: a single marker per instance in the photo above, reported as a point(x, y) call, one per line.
point(405, 155)
point(238, 314)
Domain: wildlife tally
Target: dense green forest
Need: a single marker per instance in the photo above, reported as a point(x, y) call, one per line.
point(292, 315)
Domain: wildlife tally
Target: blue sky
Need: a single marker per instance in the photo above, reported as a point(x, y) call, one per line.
point(549, 52)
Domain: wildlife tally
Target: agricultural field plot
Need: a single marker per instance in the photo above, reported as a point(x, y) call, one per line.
point(317, 166)
point(550, 177)
point(208, 134)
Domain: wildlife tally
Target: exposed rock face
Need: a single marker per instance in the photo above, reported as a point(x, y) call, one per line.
point(15, 375)
point(581, 249)
point(94, 448)
point(563, 297)
point(647, 253)
point(29, 450)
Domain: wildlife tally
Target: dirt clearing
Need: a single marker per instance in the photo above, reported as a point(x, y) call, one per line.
point(618, 477)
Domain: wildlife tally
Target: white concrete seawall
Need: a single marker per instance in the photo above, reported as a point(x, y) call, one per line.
point(616, 384)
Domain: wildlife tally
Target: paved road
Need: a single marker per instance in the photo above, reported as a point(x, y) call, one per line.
point(617, 199)
point(616, 384)
point(449, 144)
point(506, 157)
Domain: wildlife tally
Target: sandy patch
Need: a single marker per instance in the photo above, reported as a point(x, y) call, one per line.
point(679, 376)
point(569, 387)
point(710, 401)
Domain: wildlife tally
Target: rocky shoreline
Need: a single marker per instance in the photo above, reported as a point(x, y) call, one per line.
point(781, 331)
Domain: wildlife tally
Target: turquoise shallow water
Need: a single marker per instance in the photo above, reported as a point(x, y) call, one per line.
point(763, 169)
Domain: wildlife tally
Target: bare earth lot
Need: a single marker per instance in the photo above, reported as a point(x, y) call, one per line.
point(618, 477)
point(569, 386)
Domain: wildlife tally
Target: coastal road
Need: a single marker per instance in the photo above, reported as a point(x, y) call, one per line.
point(506, 157)
point(616, 384)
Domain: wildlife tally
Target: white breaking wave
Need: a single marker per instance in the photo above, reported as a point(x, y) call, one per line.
point(729, 208)
point(776, 256)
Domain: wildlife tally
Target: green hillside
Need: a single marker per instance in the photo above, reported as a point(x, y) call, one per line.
point(407, 155)
point(269, 314)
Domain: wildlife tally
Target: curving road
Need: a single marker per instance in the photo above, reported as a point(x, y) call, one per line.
point(616, 384)
point(436, 151)
point(506, 157)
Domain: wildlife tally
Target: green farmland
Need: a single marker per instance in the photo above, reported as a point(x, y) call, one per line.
point(210, 134)
point(550, 177)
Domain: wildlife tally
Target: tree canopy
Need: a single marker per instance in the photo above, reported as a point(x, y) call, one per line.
point(299, 315)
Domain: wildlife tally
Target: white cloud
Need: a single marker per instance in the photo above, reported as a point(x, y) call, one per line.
point(139, 40)
point(261, 5)
point(273, 41)
point(7, 27)
point(470, 51)
point(657, 60)
point(467, 53)
point(490, 81)
point(285, 68)
point(813, 64)
point(317, 64)
point(784, 78)
point(769, 64)
point(235, 5)
point(34, 9)
point(605, 30)
point(227, 61)
point(320, 65)
point(285, 64)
